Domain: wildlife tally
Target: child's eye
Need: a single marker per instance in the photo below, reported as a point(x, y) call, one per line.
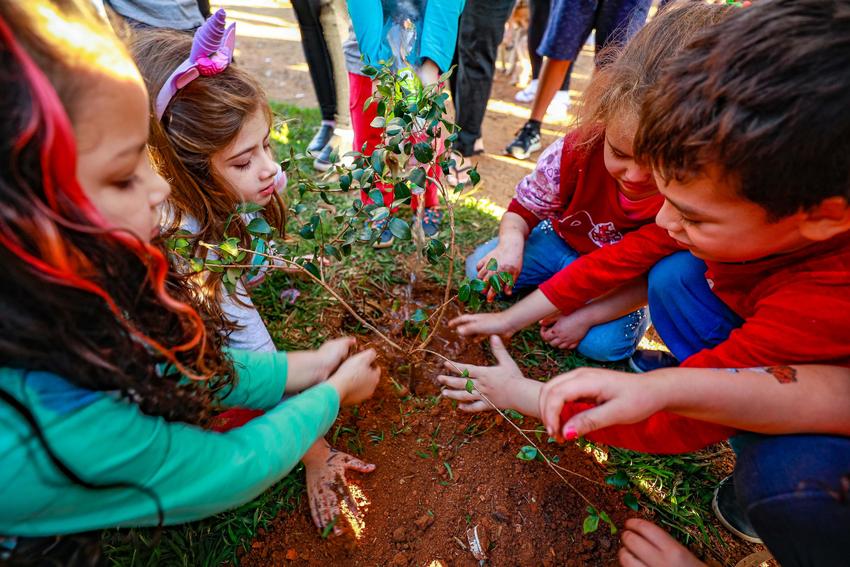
point(688, 221)
point(125, 183)
point(245, 165)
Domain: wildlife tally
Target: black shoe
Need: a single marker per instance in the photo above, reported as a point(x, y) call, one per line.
point(729, 512)
point(527, 141)
point(649, 360)
point(325, 158)
point(321, 139)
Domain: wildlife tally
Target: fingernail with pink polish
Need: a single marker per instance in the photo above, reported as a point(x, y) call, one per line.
point(570, 433)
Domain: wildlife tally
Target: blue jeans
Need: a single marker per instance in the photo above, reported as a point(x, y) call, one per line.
point(789, 485)
point(545, 254)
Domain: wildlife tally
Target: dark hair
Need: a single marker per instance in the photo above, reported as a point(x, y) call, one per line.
point(95, 306)
point(765, 98)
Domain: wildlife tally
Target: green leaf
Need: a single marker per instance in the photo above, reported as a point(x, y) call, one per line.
point(377, 196)
point(197, 264)
point(423, 152)
point(378, 161)
point(379, 213)
point(230, 246)
point(464, 292)
point(477, 285)
point(605, 518)
point(259, 225)
point(307, 232)
point(470, 386)
point(418, 176)
point(248, 208)
point(527, 453)
point(591, 524)
point(332, 251)
point(310, 267)
point(418, 316)
point(496, 283)
point(326, 532)
point(631, 501)
point(513, 414)
point(474, 176)
point(345, 182)
point(399, 228)
point(465, 373)
point(618, 480)
point(492, 265)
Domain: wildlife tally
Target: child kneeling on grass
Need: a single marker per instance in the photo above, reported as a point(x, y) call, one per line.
point(211, 139)
point(586, 192)
point(109, 376)
point(752, 154)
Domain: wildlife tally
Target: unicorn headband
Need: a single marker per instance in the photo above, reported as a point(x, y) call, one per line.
point(212, 52)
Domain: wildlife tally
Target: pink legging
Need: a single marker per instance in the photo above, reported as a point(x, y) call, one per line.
point(360, 89)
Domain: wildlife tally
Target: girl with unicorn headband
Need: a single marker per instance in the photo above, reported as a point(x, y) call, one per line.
point(210, 138)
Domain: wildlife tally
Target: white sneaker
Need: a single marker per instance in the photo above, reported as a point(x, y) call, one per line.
point(560, 105)
point(528, 93)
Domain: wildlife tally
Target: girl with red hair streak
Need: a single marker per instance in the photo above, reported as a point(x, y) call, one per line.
point(107, 375)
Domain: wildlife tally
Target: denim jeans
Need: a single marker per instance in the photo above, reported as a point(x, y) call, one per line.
point(482, 25)
point(545, 254)
point(789, 485)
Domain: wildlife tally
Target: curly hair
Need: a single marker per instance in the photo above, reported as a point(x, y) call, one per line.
point(96, 306)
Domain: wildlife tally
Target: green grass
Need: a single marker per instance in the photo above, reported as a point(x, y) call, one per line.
point(679, 487)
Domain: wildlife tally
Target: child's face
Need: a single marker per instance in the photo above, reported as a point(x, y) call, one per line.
point(707, 216)
point(635, 181)
point(112, 159)
point(247, 163)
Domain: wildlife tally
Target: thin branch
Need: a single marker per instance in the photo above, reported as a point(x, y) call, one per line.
point(324, 286)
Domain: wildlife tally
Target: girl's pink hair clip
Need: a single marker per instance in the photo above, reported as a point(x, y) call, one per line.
point(212, 52)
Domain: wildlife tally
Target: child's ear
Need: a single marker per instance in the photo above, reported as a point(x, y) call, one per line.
point(829, 218)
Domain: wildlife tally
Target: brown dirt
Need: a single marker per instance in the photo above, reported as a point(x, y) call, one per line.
point(419, 512)
point(441, 472)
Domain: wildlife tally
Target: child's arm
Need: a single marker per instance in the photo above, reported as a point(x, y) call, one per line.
point(513, 230)
point(665, 405)
point(531, 309)
point(191, 472)
point(567, 331)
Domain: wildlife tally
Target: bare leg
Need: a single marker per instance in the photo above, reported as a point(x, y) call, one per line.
point(551, 78)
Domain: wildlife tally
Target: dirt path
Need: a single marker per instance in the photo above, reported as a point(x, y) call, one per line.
point(269, 45)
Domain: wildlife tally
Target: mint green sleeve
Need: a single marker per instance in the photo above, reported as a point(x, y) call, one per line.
point(439, 32)
point(193, 472)
point(261, 379)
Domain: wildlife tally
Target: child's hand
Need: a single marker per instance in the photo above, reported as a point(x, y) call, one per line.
point(508, 256)
point(622, 398)
point(356, 378)
point(327, 486)
point(504, 384)
point(308, 368)
point(564, 332)
point(333, 352)
point(473, 324)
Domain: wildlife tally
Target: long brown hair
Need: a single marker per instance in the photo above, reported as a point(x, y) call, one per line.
point(203, 118)
point(93, 305)
point(625, 73)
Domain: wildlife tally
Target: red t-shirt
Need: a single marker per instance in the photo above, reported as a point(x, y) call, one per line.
point(593, 215)
point(795, 309)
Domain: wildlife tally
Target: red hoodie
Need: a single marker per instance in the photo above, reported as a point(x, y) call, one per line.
point(795, 308)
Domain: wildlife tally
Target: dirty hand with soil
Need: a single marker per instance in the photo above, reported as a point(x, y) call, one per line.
point(327, 485)
point(503, 385)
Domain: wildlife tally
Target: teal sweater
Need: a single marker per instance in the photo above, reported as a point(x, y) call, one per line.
point(103, 439)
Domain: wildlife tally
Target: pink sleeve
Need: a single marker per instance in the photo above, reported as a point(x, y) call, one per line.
point(539, 192)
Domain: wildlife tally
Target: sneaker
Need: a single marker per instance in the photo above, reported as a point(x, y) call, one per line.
point(528, 93)
point(323, 161)
point(728, 510)
point(386, 239)
point(320, 140)
point(560, 105)
point(648, 360)
point(527, 141)
point(431, 219)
